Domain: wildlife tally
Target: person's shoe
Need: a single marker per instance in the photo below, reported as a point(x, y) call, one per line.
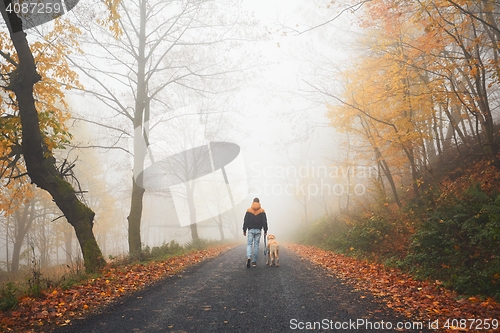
point(254, 264)
point(248, 263)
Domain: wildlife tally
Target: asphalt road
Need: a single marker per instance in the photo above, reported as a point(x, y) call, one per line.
point(222, 295)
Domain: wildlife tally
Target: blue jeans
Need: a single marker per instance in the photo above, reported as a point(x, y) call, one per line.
point(253, 237)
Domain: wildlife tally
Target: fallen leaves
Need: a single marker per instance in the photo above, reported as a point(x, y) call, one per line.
point(59, 307)
point(415, 299)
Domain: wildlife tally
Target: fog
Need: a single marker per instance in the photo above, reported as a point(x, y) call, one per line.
point(289, 156)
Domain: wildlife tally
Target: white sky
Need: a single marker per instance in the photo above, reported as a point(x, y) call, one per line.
point(275, 114)
point(279, 111)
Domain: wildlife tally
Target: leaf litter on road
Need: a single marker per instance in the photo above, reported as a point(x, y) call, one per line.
point(422, 300)
point(57, 307)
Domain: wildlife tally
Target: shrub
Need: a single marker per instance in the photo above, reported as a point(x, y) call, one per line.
point(459, 244)
point(35, 278)
point(160, 252)
point(8, 297)
point(200, 244)
point(324, 233)
point(380, 235)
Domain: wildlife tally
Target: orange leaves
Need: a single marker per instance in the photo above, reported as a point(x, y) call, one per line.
point(59, 307)
point(14, 194)
point(457, 183)
point(429, 69)
point(50, 57)
point(398, 291)
point(112, 20)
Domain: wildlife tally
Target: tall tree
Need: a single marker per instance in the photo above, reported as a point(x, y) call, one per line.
point(165, 44)
point(23, 84)
point(430, 67)
point(467, 57)
point(23, 220)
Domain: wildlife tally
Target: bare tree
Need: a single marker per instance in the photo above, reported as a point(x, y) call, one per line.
point(184, 44)
point(23, 220)
point(191, 164)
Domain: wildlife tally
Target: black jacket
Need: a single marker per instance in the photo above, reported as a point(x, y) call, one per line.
point(255, 218)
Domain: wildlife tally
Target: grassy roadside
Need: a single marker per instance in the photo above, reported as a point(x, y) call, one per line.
point(59, 305)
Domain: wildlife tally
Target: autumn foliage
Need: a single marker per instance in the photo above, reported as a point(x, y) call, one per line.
point(49, 53)
point(450, 234)
point(21, 78)
point(419, 107)
point(424, 92)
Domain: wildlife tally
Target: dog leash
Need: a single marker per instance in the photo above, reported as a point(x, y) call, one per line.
point(265, 245)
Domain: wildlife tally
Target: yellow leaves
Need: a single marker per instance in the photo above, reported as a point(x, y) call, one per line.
point(377, 106)
point(419, 73)
point(56, 75)
point(112, 20)
point(14, 194)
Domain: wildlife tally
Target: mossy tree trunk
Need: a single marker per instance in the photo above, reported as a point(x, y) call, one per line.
point(40, 163)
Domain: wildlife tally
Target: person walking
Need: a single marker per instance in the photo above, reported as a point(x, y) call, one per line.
point(255, 220)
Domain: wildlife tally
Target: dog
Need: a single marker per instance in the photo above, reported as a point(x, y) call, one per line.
point(272, 251)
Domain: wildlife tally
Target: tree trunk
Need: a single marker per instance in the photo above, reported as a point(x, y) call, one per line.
point(16, 251)
point(413, 168)
point(7, 244)
point(382, 162)
point(388, 175)
point(192, 210)
point(39, 161)
point(68, 245)
point(136, 200)
point(221, 229)
point(23, 224)
point(140, 122)
point(44, 239)
point(134, 222)
point(194, 232)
